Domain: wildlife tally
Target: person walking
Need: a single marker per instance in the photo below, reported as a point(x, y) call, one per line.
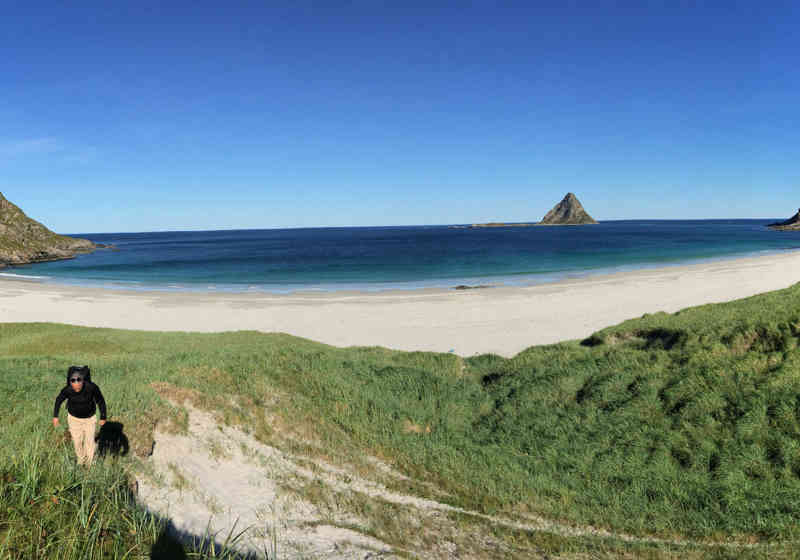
point(83, 398)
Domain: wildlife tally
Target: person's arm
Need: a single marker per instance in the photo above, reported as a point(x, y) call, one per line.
point(101, 402)
point(59, 399)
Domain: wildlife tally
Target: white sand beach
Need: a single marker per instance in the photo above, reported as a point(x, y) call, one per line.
point(503, 320)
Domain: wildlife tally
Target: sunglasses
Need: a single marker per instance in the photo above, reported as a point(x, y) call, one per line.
point(76, 380)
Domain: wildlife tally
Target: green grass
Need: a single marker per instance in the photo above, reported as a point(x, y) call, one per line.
point(679, 426)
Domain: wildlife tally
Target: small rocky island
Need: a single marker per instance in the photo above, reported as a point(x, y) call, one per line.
point(568, 212)
point(792, 223)
point(24, 241)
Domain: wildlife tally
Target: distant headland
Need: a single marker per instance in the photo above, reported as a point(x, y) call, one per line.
point(568, 212)
point(25, 241)
point(792, 223)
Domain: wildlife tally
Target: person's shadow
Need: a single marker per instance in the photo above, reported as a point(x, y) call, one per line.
point(167, 548)
point(111, 440)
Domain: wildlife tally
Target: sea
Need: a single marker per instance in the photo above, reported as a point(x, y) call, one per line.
point(403, 257)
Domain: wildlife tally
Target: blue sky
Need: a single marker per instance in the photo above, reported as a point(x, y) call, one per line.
point(138, 116)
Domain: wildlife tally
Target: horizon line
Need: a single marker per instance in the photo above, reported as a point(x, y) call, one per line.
point(190, 230)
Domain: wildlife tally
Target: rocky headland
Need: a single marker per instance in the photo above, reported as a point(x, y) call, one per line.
point(568, 212)
point(792, 223)
point(24, 241)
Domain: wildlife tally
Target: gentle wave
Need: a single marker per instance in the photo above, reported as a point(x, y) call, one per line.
point(25, 276)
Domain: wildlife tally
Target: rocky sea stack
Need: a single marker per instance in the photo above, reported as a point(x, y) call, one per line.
point(23, 240)
point(792, 223)
point(568, 212)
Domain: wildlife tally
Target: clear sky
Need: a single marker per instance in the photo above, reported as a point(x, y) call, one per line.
point(140, 115)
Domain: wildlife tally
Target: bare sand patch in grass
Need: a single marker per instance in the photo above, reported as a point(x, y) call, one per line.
point(218, 481)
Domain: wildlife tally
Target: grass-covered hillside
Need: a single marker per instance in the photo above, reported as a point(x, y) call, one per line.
point(683, 426)
point(23, 240)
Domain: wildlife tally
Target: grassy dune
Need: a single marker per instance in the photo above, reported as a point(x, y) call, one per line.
point(683, 426)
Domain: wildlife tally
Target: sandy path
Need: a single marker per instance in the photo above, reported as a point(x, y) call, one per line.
point(217, 480)
point(503, 320)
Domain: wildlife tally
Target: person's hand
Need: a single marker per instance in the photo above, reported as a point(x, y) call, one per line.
point(102, 422)
point(55, 422)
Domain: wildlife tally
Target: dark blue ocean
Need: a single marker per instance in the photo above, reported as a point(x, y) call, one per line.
point(378, 258)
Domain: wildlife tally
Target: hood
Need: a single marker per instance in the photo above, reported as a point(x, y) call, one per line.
point(83, 371)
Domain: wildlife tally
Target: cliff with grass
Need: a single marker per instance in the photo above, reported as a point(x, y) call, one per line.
point(23, 240)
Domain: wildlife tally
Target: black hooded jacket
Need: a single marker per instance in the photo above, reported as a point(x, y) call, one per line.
point(81, 404)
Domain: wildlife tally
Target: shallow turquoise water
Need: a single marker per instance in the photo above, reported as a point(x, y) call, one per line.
point(401, 257)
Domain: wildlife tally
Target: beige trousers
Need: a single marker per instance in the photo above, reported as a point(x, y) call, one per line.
point(82, 432)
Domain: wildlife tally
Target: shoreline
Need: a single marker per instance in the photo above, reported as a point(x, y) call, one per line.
point(502, 320)
point(521, 280)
